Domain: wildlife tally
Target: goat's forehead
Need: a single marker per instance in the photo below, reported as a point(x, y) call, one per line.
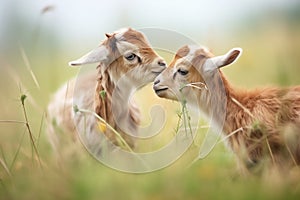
point(120, 33)
point(188, 53)
point(129, 39)
point(195, 50)
point(124, 46)
point(130, 35)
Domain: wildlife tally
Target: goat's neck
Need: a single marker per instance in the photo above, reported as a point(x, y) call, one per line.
point(116, 107)
point(103, 94)
point(113, 105)
point(235, 103)
point(225, 99)
point(110, 93)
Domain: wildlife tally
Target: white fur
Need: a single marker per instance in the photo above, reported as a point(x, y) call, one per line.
point(96, 55)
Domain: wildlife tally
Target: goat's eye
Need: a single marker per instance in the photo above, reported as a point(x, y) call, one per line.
point(182, 72)
point(130, 57)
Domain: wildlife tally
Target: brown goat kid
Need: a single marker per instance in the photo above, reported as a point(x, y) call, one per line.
point(259, 124)
point(127, 62)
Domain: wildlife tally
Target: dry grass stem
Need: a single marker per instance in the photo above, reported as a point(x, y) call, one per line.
point(195, 85)
point(6, 169)
point(28, 66)
point(270, 150)
point(243, 107)
point(84, 111)
point(18, 150)
point(231, 134)
point(12, 121)
point(290, 153)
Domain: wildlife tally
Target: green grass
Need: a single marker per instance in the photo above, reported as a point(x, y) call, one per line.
point(76, 175)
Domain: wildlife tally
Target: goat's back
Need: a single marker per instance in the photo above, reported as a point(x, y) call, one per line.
point(60, 113)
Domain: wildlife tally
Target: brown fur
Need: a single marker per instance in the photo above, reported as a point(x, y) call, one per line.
point(272, 110)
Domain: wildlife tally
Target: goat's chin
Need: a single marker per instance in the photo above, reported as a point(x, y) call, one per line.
point(161, 93)
point(166, 95)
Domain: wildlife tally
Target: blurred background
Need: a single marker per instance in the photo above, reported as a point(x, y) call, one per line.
point(39, 38)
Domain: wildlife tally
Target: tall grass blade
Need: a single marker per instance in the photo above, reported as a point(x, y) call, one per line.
point(28, 66)
point(23, 97)
point(12, 121)
point(18, 151)
point(4, 165)
point(40, 129)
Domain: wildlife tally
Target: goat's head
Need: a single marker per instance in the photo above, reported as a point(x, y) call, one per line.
point(191, 66)
point(124, 51)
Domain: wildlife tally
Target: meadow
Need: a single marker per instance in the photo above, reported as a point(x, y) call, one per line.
point(30, 168)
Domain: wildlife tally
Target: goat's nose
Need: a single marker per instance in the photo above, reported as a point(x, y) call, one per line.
point(162, 63)
point(156, 82)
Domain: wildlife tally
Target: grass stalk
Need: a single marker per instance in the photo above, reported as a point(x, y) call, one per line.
point(40, 129)
point(28, 66)
point(23, 97)
point(176, 130)
point(4, 166)
point(12, 121)
point(291, 155)
point(18, 151)
point(243, 107)
point(197, 85)
point(270, 150)
point(230, 134)
point(84, 111)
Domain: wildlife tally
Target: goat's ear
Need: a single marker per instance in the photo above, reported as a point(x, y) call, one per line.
point(228, 58)
point(97, 55)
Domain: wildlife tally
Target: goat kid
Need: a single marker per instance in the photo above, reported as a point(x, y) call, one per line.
point(126, 62)
point(261, 123)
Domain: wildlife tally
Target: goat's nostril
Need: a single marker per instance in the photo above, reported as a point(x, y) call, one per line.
point(161, 63)
point(156, 82)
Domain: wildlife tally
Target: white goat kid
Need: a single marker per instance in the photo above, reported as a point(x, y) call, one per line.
point(127, 62)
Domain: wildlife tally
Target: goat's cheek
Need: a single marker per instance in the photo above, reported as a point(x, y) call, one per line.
point(147, 70)
point(139, 73)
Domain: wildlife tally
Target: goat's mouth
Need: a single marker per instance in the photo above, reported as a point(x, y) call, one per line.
point(159, 90)
point(156, 72)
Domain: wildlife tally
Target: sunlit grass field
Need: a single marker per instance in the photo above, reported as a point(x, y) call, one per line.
point(271, 57)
